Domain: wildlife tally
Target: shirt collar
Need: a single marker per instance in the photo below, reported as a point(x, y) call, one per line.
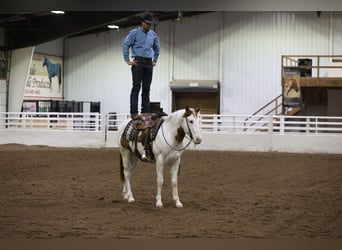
point(143, 30)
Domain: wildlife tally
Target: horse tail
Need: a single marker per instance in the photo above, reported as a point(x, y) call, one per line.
point(122, 177)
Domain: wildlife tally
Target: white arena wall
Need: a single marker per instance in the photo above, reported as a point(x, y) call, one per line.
point(84, 139)
point(295, 134)
point(267, 142)
point(271, 142)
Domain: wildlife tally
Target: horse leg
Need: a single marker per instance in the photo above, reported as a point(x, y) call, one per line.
point(160, 181)
point(59, 83)
point(50, 84)
point(174, 184)
point(129, 161)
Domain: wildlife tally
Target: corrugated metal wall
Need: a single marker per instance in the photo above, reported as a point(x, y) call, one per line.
point(337, 33)
point(3, 94)
point(196, 48)
point(252, 48)
point(241, 49)
point(92, 69)
point(161, 73)
point(96, 71)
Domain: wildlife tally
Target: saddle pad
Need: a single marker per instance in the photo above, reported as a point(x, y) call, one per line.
point(129, 131)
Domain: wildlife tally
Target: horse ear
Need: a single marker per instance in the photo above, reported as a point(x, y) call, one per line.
point(187, 111)
point(197, 110)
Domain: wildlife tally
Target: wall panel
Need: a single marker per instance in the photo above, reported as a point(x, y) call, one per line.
point(196, 48)
point(242, 49)
point(252, 48)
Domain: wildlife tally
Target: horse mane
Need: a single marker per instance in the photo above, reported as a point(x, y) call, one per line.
point(182, 113)
point(174, 116)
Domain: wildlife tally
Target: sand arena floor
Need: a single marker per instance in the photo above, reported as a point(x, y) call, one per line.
point(54, 193)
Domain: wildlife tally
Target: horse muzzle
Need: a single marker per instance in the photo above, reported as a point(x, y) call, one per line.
point(197, 140)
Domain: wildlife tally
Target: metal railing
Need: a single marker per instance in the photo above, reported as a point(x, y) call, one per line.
point(307, 124)
point(323, 68)
point(210, 123)
point(279, 124)
point(51, 121)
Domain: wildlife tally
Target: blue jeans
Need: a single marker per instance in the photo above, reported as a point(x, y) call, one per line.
point(142, 78)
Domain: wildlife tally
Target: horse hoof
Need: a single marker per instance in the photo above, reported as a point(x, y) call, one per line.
point(159, 205)
point(131, 200)
point(179, 205)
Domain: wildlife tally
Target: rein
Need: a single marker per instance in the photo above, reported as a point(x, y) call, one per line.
point(187, 145)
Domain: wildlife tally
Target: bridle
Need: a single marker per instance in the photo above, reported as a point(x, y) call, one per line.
point(190, 139)
point(187, 124)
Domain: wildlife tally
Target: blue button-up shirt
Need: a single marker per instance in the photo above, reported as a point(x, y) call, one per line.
point(144, 44)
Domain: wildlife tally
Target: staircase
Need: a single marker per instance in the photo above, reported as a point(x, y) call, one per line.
point(273, 107)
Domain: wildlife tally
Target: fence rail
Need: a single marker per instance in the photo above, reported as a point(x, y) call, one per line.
point(228, 124)
point(52, 121)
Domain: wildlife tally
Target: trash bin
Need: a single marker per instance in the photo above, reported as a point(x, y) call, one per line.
point(305, 72)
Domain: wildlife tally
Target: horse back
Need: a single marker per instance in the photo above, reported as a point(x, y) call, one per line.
point(140, 131)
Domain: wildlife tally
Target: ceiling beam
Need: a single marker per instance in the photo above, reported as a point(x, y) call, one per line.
point(43, 29)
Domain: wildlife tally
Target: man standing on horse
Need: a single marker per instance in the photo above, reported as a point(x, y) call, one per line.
point(145, 47)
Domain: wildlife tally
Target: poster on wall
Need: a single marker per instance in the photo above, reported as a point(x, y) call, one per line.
point(291, 87)
point(45, 79)
point(29, 106)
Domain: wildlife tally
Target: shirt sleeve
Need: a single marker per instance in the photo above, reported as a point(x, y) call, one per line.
point(127, 44)
point(156, 48)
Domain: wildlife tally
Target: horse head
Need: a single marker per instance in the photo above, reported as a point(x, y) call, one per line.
point(192, 124)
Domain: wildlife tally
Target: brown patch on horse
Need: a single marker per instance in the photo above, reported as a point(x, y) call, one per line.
point(180, 134)
point(124, 142)
point(188, 112)
point(180, 131)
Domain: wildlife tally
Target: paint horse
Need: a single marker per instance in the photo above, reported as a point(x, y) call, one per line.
point(168, 144)
point(53, 69)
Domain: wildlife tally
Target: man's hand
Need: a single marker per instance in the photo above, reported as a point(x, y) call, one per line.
point(132, 63)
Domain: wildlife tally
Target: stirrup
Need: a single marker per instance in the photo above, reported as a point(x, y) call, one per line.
point(143, 156)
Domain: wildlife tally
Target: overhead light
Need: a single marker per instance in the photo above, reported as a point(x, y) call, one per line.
point(58, 12)
point(180, 16)
point(113, 26)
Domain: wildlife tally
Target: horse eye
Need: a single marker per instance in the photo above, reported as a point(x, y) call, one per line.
point(191, 121)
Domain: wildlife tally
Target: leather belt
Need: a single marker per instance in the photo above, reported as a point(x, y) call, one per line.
point(144, 59)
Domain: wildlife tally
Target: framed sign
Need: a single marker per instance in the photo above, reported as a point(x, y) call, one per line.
point(291, 87)
point(45, 80)
point(29, 106)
